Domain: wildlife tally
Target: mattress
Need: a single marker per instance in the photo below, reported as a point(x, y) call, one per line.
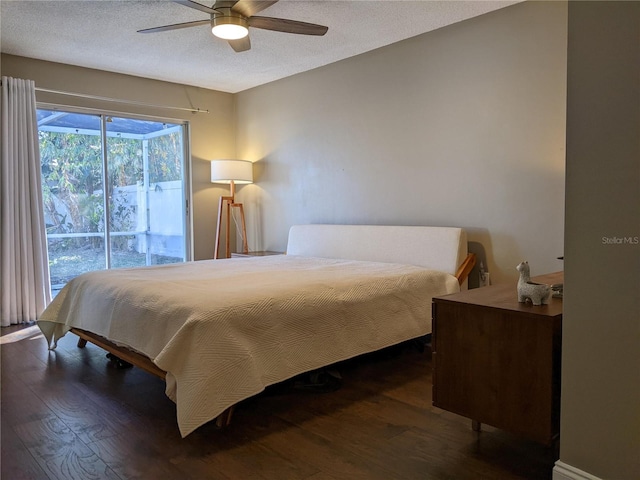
point(223, 330)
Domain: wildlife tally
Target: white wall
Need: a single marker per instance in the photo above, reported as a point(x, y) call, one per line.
point(600, 422)
point(464, 126)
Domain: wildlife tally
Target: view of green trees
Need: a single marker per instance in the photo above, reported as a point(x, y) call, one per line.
point(72, 174)
point(72, 185)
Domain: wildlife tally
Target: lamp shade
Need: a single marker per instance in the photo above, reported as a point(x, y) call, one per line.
point(225, 171)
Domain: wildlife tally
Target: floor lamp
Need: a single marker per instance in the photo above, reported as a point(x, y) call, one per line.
point(230, 172)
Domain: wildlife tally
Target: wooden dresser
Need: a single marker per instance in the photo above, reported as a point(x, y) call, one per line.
point(497, 361)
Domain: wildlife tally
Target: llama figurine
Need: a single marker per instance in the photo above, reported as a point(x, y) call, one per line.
point(538, 293)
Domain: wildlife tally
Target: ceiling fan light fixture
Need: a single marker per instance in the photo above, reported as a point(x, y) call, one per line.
point(229, 27)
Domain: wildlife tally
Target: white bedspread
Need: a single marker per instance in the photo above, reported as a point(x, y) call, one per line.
point(223, 330)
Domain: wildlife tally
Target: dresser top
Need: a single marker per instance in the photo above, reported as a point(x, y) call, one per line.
point(505, 297)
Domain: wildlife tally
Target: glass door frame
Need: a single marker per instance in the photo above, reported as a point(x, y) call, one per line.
point(186, 177)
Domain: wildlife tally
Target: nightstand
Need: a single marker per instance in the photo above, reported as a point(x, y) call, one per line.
point(264, 253)
point(497, 361)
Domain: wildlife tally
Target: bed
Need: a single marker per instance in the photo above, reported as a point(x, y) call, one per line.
point(221, 331)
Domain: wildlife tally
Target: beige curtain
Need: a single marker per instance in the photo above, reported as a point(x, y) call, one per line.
point(24, 274)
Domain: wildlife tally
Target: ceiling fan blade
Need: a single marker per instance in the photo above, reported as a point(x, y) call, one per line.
point(287, 26)
point(196, 5)
point(241, 45)
point(248, 8)
point(175, 26)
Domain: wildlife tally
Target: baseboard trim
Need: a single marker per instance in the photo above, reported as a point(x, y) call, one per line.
point(564, 471)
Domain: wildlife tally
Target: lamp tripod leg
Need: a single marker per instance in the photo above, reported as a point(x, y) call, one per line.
point(245, 246)
point(228, 232)
point(216, 251)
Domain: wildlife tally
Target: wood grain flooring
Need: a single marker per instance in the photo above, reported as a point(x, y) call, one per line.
point(67, 414)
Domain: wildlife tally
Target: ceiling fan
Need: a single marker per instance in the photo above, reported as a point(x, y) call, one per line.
point(231, 20)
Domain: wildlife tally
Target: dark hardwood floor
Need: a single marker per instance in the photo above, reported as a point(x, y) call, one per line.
point(67, 414)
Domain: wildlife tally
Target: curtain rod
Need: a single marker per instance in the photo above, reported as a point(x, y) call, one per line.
point(115, 100)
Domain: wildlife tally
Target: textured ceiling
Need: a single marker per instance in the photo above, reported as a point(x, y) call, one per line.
point(102, 34)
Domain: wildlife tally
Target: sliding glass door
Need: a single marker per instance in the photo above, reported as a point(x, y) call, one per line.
point(114, 191)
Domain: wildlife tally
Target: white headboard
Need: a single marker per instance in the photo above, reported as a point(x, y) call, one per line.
point(436, 248)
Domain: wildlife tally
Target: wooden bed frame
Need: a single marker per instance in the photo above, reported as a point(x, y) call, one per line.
point(146, 364)
point(137, 360)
